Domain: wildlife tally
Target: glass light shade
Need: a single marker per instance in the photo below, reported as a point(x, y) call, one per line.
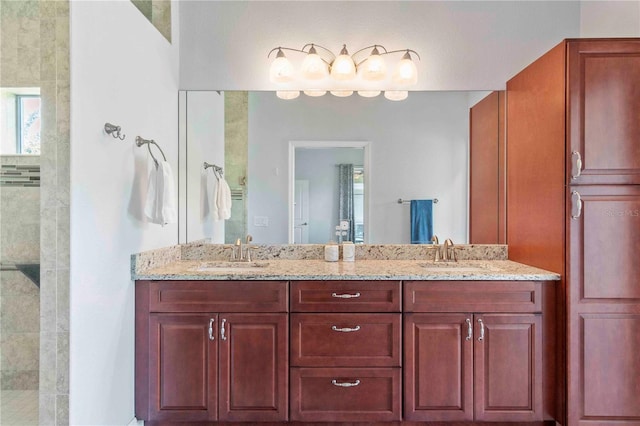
point(342, 93)
point(373, 68)
point(315, 93)
point(396, 95)
point(287, 94)
point(343, 67)
point(281, 69)
point(313, 67)
point(368, 93)
point(406, 72)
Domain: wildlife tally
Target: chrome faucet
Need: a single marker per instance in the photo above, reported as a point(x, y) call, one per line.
point(436, 243)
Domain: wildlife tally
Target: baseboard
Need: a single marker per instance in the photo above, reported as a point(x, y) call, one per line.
point(136, 422)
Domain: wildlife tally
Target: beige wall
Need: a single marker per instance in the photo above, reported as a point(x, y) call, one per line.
point(35, 53)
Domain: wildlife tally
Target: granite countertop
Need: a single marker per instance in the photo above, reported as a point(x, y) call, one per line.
point(278, 269)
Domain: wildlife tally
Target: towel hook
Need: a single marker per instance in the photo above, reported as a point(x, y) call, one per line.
point(149, 142)
point(217, 170)
point(113, 130)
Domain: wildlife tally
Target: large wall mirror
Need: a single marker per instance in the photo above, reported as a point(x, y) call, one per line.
point(417, 149)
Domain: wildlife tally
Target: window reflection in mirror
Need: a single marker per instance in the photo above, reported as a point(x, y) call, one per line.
point(20, 127)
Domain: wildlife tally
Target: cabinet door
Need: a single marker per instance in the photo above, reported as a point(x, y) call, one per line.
point(182, 368)
point(253, 367)
point(438, 367)
point(603, 111)
point(508, 368)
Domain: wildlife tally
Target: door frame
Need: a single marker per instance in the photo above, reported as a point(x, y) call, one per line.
point(365, 145)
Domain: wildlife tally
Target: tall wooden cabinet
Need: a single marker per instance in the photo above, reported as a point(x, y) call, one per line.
point(573, 206)
point(487, 187)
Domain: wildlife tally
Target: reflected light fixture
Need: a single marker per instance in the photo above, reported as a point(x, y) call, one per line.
point(366, 69)
point(287, 94)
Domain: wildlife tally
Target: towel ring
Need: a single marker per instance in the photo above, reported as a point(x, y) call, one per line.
point(217, 170)
point(149, 142)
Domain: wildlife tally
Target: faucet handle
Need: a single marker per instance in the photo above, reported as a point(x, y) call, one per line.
point(248, 239)
point(249, 248)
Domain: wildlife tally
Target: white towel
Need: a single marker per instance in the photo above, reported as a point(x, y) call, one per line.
point(223, 199)
point(161, 205)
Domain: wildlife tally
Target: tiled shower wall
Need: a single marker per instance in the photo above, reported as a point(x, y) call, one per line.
point(19, 295)
point(34, 52)
point(236, 141)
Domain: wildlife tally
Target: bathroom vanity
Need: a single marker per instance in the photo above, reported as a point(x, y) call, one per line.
point(372, 341)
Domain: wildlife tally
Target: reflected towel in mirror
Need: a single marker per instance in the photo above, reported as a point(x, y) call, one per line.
point(421, 221)
point(220, 199)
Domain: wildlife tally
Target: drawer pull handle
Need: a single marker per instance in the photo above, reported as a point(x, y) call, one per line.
point(481, 338)
point(222, 330)
point(345, 384)
point(469, 329)
point(576, 166)
point(345, 329)
point(211, 329)
point(346, 295)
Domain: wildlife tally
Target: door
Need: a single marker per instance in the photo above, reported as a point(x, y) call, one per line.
point(438, 367)
point(508, 367)
point(253, 367)
point(301, 212)
point(603, 111)
point(604, 305)
point(182, 367)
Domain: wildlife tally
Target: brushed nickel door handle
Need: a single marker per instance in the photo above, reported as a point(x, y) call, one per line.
point(469, 329)
point(576, 165)
point(334, 382)
point(346, 295)
point(481, 338)
point(222, 330)
point(211, 321)
point(576, 205)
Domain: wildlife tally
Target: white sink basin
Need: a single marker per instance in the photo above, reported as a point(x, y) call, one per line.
point(224, 266)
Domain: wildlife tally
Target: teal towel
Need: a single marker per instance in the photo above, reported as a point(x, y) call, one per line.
point(421, 221)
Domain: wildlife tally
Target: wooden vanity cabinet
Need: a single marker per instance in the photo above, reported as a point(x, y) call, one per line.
point(196, 363)
point(468, 359)
point(345, 351)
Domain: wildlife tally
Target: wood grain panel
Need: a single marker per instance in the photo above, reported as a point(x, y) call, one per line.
point(507, 368)
point(484, 167)
point(376, 397)
point(375, 343)
point(345, 296)
point(218, 296)
point(604, 101)
point(438, 367)
point(253, 367)
point(472, 296)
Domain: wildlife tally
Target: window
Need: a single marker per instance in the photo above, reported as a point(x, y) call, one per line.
point(29, 122)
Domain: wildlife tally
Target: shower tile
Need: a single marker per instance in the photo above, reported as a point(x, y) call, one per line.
point(15, 283)
point(62, 301)
point(62, 9)
point(29, 67)
point(63, 174)
point(63, 237)
point(48, 9)
point(48, 307)
point(62, 64)
point(63, 111)
point(20, 314)
point(47, 412)
point(62, 32)
point(48, 363)
point(20, 380)
point(62, 371)
point(9, 34)
point(20, 351)
point(9, 74)
point(48, 234)
point(19, 407)
point(29, 33)
point(62, 410)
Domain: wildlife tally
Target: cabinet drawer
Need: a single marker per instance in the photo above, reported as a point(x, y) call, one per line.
point(345, 340)
point(345, 394)
point(473, 296)
point(345, 296)
point(218, 296)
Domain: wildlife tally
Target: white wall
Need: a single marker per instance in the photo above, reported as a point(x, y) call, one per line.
point(466, 45)
point(205, 132)
point(125, 72)
point(419, 149)
point(610, 18)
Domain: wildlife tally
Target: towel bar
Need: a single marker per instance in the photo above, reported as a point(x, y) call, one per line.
point(401, 201)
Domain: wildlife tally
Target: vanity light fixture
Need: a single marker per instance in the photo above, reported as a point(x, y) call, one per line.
point(366, 65)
